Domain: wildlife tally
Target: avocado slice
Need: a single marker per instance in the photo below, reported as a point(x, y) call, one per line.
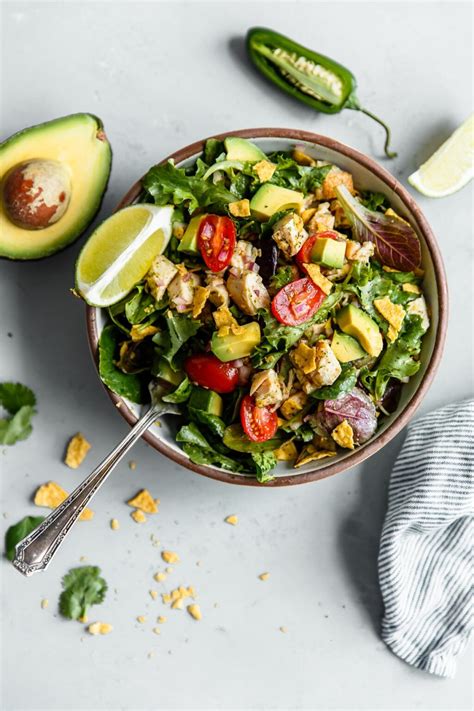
point(188, 242)
point(207, 401)
point(328, 252)
point(357, 323)
point(346, 348)
point(232, 346)
point(163, 371)
point(79, 149)
point(272, 198)
point(241, 149)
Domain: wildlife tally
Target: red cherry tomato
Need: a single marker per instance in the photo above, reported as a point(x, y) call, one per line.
point(258, 423)
point(208, 371)
point(304, 255)
point(297, 302)
point(216, 241)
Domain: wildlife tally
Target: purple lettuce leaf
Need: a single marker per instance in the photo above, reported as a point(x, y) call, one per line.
point(355, 407)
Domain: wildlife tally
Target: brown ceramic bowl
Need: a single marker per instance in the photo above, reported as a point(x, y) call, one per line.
point(368, 175)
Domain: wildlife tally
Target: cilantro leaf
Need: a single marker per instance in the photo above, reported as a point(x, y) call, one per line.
point(18, 532)
point(19, 401)
point(83, 587)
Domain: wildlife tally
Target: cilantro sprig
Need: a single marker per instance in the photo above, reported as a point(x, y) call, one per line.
point(83, 587)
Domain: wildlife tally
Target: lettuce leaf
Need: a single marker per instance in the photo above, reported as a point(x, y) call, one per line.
point(180, 328)
point(344, 384)
point(395, 241)
point(264, 463)
point(200, 451)
point(290, 174)
point(169, 184)
point(131, 386)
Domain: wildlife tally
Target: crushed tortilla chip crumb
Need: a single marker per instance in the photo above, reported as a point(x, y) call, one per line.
point(141, 619)
point(304, 357)
point(138, 332)
point(156, 630)
point(283, 629)
point(168, 570)
point(195, 611)
point(44, 603)
point(138, 516)
point(393, 313)
point(264, 576)
point(153, 594)
point(316, 276)
point(76, 451)
point(144, 501)
point(177, 604)
point(411, 288)
point(114, 524)
point(51, 495)
point(99, 628)
point(286, 452)
point(240, 208)
point(159, 577)
point(201, 295)
point(132, 464)
point(232, 519)
point(161, 619)
point(343, 435)
point(264, 170)
point(170, 557)
point(311, 454)
point(176, 597)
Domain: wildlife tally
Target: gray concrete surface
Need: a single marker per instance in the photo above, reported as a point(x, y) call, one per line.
point(162, 75)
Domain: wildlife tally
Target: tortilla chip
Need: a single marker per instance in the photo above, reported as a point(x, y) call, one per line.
point(144, 501)
point(310, 454)
point(343, 435)
point(76, 451)
point(50, 495)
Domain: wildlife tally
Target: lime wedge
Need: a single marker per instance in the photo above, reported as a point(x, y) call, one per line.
point(120, 251)
point(451, 167)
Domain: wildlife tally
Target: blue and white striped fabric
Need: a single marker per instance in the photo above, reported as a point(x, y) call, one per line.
point(425, 558)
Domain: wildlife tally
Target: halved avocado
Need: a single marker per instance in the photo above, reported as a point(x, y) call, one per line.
point(78, 144)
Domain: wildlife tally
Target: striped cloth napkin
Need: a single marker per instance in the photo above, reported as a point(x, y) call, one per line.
point(425, 564)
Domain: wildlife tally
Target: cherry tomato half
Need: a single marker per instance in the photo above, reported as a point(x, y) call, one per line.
point(258, 423)
point(304, 255)
point(208, 371)
point(216, 241)
point(297, 302)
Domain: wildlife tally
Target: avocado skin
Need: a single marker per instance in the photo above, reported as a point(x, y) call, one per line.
point(61, 245)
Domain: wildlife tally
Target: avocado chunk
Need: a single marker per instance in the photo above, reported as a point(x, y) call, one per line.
point(188, 242)
point(328, 252)
point(207, 401)
point(162, 370)
point(241, 149)
point(234, 346)
point(346, 348)
point(357, 323)
point(272, 198)
point(72, 151)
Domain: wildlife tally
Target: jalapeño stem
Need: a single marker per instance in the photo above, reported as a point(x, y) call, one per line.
point(388, 153)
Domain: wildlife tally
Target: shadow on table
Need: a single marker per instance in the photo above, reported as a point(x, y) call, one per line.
point(359, 535)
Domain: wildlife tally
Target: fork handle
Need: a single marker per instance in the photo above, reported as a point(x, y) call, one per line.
point(35, 552)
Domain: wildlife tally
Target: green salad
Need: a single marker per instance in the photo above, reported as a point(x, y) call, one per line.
point(283, 316)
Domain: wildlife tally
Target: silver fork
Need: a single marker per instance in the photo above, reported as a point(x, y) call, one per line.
point(35, 552)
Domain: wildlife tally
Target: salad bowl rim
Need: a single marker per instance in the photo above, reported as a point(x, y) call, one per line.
point(356, 456)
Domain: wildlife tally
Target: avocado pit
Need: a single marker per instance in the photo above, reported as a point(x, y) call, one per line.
point(36, 193)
